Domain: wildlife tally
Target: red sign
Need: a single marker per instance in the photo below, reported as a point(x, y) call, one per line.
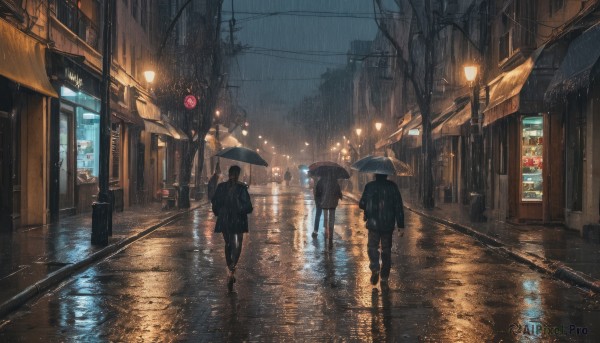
point(190, 102)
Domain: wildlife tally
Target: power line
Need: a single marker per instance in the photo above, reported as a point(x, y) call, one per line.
point(294, 59)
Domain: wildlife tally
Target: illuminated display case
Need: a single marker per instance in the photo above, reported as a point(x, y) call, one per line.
point(532, 142)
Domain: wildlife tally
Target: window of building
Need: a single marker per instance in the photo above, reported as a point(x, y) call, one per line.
point(133, 64)
point(88, 145)
point(518, 29)
point(134, 9)
point(144, 14)
point(124, 50)
point(532, 143)
point(555, 6)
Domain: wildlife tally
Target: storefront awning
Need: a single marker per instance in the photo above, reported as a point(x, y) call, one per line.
point(391, 139)
point(121, 112)
point(22, 60)
point(175, 132)
point(147, 110)
point(579, 66)
point(522, 88)
point(452, 125)
point(156, 127)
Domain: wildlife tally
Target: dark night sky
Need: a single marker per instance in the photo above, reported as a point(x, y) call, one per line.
point(311, 29)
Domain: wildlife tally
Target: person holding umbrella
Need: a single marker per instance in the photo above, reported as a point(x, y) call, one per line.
point(383, 209)
point(231, 204)
point(327, 196)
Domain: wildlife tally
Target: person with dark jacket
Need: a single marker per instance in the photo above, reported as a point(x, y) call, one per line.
point(231, 204)
point(382, 205)
point(327, 195)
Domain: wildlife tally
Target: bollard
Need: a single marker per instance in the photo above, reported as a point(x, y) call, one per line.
point(477, 207)
point(100, 212)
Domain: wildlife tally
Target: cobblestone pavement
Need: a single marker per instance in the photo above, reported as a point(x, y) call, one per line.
point(171, 286)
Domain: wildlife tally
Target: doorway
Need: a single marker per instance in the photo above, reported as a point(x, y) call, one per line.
point(66, 180)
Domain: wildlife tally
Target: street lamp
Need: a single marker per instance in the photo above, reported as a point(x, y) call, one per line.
point(149, 75)
point(245, 132)
point(378, 126)
point(477, 197)
point(306, 143)
point(358, 132)
point(470, 72)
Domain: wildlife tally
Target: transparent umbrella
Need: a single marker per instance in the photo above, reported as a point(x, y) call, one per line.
point(382, 165)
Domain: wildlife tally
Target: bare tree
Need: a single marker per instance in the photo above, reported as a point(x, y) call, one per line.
point(416, 61)
point(194, 68)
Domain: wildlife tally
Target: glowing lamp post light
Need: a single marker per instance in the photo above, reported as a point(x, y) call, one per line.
point(378, 126)
point(245, 132)
point(149, 75)
point(471, 72)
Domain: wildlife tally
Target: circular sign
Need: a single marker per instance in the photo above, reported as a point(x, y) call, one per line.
point(190, 102)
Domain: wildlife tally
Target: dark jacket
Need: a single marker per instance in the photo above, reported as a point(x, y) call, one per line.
point(382, 203)
point(327, 193)
point(231, 204)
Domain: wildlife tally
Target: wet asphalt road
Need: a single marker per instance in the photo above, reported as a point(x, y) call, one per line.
point(171, 286)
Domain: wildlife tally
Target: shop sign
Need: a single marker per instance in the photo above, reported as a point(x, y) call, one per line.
point(190, 102)
point(72, 76)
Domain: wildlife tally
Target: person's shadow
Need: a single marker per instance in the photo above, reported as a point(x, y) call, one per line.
point(381, 317)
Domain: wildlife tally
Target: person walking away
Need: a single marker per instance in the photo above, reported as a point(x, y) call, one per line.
point(231, 204)
point(382, 205)
point(318, 208)
point(287, 177)
point(327, 195)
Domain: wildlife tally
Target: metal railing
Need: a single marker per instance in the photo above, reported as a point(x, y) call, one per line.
point(68, 14)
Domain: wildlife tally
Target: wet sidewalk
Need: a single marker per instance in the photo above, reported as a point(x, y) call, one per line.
point(555, 250)
point(32, 258)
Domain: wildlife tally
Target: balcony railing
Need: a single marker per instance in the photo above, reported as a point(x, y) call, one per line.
point(68, 14)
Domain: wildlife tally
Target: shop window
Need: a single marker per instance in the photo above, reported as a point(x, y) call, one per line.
point(88, 145)
point(531, 158)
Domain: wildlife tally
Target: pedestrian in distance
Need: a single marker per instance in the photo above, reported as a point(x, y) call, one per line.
point(231, 204)
point(318, 209)
point(327, 195)
point(383, 209)
point(287, 177)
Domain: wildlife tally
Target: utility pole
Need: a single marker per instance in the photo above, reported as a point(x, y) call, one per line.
point(102, 208)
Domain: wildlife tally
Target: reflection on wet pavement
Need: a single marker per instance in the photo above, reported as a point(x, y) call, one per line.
point(171, 286)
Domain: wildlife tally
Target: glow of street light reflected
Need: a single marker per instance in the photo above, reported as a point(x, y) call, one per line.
point(306, 143)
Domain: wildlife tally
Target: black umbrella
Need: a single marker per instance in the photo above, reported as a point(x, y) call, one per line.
point(328, 169)
point(243, 155)
point(382, 165)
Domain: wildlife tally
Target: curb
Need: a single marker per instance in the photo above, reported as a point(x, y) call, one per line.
point(550, 267)
point(61, 274)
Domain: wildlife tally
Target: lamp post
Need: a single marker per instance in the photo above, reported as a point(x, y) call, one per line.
point(477, 198)
point(102, 208)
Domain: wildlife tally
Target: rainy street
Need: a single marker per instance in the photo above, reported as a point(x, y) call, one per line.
point(171, 286)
